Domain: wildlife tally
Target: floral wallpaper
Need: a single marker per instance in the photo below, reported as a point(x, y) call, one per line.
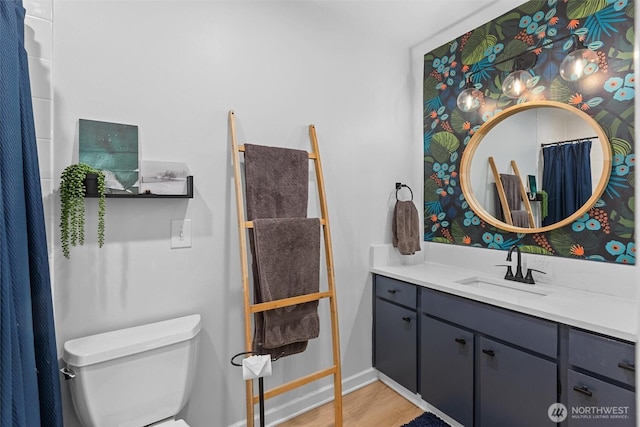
point(606, 232)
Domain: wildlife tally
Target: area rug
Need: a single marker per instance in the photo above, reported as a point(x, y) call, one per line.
point(428, 419)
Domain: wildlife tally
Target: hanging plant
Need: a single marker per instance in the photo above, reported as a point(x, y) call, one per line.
point(73, 188)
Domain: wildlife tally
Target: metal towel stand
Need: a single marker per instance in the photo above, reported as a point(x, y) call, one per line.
point(260, 380)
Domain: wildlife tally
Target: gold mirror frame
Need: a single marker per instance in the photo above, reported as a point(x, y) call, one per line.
point(474, 142)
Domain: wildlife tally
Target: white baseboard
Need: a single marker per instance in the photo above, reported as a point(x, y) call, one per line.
point(416, 399)
point(410, 396)
point(312, 400)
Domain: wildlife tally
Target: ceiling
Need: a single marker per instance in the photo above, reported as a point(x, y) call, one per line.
point(412, 22)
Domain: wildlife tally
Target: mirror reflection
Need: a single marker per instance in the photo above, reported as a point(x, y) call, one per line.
point(535, 167)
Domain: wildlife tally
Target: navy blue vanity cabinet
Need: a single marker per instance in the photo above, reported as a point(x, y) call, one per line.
point(509, 375)
point(600, 381)
point(396, 331)
point(446, 374)
point(487, 366)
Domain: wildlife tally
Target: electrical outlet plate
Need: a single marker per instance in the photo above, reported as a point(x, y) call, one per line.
point(180, 233)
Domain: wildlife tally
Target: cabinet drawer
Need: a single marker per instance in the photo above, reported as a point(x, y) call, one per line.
point(592, 402)
point(604, 356)
point(396, 291)
point(525, 331)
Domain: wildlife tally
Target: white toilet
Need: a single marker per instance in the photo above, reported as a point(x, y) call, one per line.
point(133, 377)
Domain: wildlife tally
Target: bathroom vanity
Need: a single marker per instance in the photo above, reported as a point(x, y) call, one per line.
point(486, 352)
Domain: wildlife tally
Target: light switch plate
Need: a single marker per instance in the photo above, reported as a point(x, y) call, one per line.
point(180, 233)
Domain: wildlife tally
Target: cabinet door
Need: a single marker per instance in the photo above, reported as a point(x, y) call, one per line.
point(446, 378)
point(515, 388)
point(592, 402)
point(396, 339)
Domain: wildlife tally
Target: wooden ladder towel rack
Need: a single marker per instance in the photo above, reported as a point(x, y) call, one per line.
point(252, 308)
point(506, 209)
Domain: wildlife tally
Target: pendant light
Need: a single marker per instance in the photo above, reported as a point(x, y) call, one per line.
point(520, 80)
point(469, 99)
point(579, 63)
point(517, 83)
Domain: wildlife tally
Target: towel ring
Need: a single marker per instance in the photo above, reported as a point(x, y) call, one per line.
point(399, 186)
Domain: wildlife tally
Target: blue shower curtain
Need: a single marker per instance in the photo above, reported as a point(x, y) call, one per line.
point(29, 378)
point(566, 178)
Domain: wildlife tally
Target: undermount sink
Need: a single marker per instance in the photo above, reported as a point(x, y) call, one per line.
point(504, 287)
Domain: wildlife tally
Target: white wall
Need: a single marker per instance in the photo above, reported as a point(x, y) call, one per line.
point(506, 142)
point(175, 69)
point(38, 35)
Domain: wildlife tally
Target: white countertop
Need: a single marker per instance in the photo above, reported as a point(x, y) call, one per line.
point(609, 315)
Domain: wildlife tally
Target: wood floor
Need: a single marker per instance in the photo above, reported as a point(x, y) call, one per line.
point(373, 405)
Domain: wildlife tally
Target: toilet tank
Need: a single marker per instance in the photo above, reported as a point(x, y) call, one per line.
point(135, 376)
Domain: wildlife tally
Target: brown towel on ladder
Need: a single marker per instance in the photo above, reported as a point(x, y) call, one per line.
point(288, 261)
point(276, 182)
point(511, 185)
point(520, 218)
point(406, 227)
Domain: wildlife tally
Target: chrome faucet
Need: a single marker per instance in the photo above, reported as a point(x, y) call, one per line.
point(518, 277)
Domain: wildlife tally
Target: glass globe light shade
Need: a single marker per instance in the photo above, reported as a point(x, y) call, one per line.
point(579, 64)
point(469, 100)
point(517, 83)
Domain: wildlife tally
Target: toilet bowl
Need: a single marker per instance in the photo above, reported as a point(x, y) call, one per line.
point(133, 377)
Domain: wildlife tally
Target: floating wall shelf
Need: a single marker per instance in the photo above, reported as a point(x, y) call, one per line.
point(189, 194)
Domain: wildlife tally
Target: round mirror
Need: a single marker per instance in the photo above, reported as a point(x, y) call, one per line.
point(535, 167)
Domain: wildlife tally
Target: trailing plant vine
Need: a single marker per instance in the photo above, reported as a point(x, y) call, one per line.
point(72, 193)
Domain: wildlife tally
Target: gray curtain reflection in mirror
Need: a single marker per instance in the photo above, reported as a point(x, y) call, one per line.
point(566, 178)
